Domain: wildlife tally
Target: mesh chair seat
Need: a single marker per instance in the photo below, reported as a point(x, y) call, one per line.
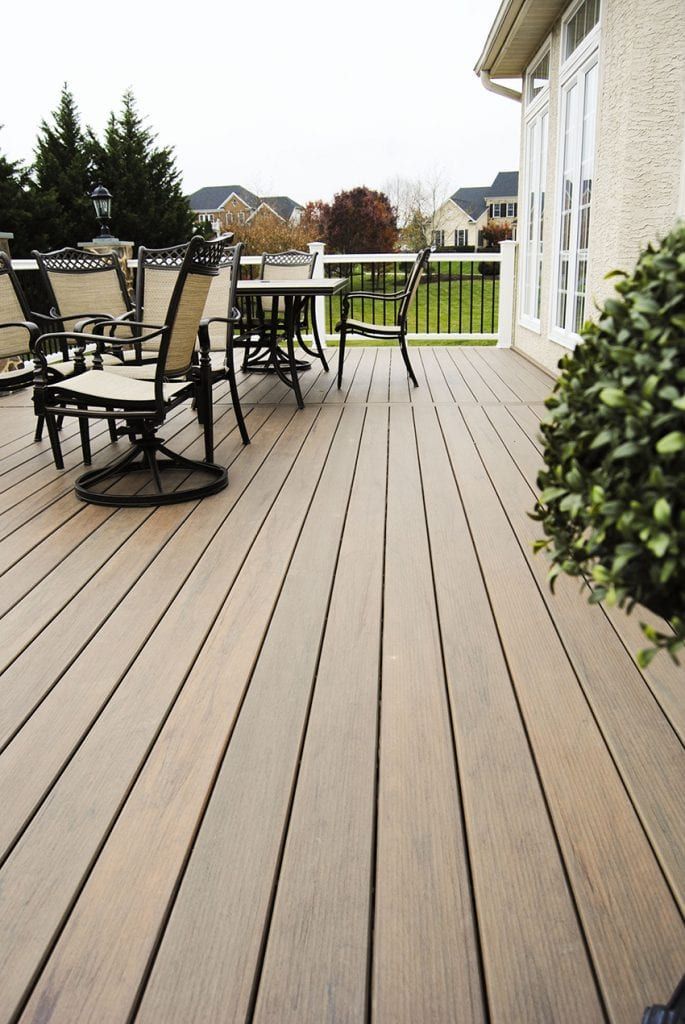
point(114, 388)
point(359, 326)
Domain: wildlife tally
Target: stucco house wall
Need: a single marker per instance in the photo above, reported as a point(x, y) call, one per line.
point(638, 150)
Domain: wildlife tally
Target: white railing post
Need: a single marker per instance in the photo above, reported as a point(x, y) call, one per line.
point(505, 320)
point(319, 301)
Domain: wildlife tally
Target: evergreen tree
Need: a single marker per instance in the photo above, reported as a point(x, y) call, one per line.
point(149, 207)
point(63, 171)
point(24, 210)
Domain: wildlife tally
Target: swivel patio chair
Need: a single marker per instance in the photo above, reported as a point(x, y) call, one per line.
point(144, 405)
point(20, 328)
point(397, 330)
point(219, 312)
point(280, 266)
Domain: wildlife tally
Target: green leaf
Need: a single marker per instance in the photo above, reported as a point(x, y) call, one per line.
point(661, 511)
point(658, 545)
point(551, 494)
point(670, 443)
point(613, 397)
point(644, 657)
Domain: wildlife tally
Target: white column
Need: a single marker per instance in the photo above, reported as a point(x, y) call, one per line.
point(505, 338)
point(319, 301)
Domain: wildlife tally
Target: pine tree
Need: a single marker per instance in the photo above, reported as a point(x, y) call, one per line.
point(24, 209)
point(63, 171)
point(149, 207)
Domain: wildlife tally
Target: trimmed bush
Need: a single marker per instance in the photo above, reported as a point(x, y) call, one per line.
point(612, 502)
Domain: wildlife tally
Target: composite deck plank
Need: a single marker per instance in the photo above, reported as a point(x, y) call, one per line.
point(338, 395)
point(131, 888)
point(54, 856)
point(562, 840)
point(399, 380)
point(437, 385)
point(324, 886)
point(519, 880)
point(528, 421)
point(503, 392)
point(425, 957)
point(480, 391)
point(55, 729)
point(378, 392)
point(631, 921)
point(520, 374)
point(359, 388)
point(206, 966)
point(666, 679)
point(459, 389)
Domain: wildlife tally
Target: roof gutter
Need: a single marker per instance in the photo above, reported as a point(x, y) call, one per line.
point(500, 90)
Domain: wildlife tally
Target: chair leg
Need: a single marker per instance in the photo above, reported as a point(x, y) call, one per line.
point(341, 352)
point(84, 429)
point(40, 422)
point(112, 425)
point(51, 424)
point(235, 397)
point(405, 356)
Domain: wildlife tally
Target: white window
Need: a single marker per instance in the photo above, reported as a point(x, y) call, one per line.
point(511, 209)
point(537, 79)
point(580, 25)
point(438, 238)
point(461, 236)
point(204, 218)
point(535, 169)
point(577, 149)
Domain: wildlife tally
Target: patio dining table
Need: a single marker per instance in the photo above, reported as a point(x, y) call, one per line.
point(294, 292)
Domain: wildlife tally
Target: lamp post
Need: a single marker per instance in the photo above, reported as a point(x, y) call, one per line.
point(102, 201)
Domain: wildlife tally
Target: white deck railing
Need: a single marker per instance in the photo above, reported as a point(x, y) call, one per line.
point(500, 291)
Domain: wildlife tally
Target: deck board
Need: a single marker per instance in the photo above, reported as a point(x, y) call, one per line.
point(323, 747)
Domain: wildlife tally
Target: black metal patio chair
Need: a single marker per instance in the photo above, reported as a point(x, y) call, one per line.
point(282, 266)
point(161, 268)
point(20, 327)
point(398, 330)
point(144, 404)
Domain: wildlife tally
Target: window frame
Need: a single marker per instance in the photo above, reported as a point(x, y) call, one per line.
point(532, 105)
point(573, 72)
point(526, 319)
point(457, 233)
point(585, 47)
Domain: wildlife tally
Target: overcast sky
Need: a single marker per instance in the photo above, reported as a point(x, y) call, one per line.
point(302, 98)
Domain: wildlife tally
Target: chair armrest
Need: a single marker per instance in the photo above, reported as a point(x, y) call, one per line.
point(378, 296)
point(31, 329)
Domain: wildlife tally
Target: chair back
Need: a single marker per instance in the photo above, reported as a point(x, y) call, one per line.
point(13, 309)
point(156, 278)
point(200, 265)
point(413, 282)
point(83, 282)
point(222, 294)
point(282, 266)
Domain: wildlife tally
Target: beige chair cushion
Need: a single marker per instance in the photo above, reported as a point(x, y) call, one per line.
point(389, 329)
point(114, 388)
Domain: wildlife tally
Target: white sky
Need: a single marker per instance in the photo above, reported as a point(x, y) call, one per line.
point(303, 98)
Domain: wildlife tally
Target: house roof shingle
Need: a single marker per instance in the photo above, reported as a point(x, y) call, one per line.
point(471, 200)
point(212, 197)
point(505, 184)
point(284, 206)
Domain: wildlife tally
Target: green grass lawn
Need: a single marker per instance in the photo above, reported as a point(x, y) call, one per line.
point(464, 304)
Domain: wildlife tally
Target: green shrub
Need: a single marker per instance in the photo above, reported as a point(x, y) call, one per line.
point(613, 492)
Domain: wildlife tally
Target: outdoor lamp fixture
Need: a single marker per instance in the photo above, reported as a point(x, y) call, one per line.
point(102, 201)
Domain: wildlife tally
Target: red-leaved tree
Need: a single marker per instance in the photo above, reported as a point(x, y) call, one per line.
point(361, 220)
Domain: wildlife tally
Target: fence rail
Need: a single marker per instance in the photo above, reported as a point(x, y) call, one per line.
point(459, 297)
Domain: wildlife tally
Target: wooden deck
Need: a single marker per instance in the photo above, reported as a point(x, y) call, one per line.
point(323, 748)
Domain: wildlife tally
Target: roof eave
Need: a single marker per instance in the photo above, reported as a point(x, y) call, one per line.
point(517, 32)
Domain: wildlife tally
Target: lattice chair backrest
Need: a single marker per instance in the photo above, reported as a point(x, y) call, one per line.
point(186, 308)
point(158, 271)
point(84, 282)
point(222, 294)
point(283, 266)
point(13, 309)
point(413, 282)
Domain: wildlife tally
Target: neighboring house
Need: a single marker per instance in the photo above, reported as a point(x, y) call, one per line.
point(460, 220)
point(602, 149)
point(225, 206)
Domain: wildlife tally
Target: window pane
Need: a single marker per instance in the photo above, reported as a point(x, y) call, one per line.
point(538, 78)
point(580, 25)
point(567, 200)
